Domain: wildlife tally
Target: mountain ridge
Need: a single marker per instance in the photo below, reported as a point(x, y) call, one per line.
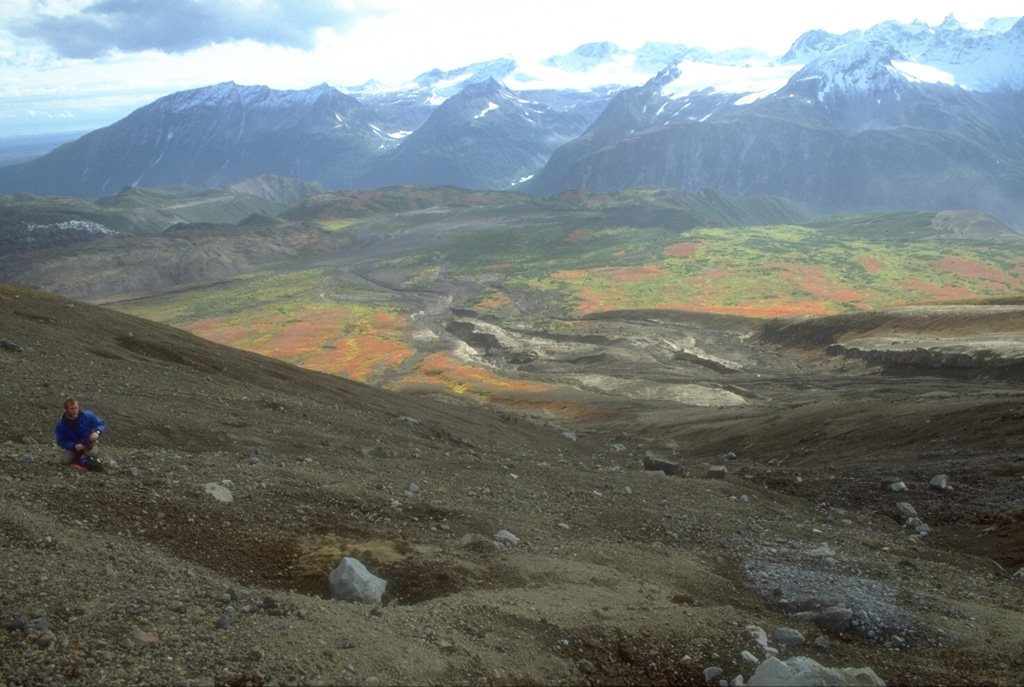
point(945, 99)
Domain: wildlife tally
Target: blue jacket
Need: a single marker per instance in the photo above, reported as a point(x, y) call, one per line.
point(70, 433)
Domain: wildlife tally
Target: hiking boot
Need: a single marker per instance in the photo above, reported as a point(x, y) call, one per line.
point(76, 465)
point(90, 464)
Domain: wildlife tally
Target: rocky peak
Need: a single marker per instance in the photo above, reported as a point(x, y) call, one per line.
point(950, 24)
point(850, 71)
point(585, 57)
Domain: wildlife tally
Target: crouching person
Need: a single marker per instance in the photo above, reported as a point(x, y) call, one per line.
point(78, 433)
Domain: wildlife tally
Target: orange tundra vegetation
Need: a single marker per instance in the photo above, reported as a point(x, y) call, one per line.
point(814, 281)
point(680, 250)
point(493, 301)
point(941, 292)
point(443, 370)
point(971, 269)
point(872, 265)
point(346, 340)
point(577, 235)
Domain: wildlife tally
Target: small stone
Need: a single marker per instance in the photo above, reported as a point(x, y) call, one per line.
point(712, 672)
point(223, 622)
point(788, 637)
point(142, 638)
point(717, 472)
point(219, 492)
point(506, 537)
point(835, 619)
point(905, 511)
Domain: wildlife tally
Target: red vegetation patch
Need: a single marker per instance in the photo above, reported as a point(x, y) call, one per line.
point(577, 235)
point(495, 301)
point(971, 269)
point(872, 265)
point(356, 343)
point(941, 292)
point(680, 250)
point(814, 281)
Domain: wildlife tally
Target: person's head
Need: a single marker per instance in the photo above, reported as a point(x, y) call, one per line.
point(71, 407)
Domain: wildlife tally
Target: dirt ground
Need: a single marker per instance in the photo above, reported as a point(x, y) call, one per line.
point(621, 574)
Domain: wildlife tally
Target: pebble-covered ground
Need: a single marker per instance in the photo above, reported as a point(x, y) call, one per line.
point(615, 573)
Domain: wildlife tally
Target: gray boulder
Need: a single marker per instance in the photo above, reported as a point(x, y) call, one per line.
point(835, 619)
point(654, 462)
point(351, 581)
point(800, 671)
point(788, 637)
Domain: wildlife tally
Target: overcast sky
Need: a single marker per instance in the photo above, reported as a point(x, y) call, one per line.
point(76, 65)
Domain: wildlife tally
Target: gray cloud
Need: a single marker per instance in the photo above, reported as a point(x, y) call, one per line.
point(178, 26)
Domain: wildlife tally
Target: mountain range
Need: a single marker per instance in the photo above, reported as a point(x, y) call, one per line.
point(894, 117)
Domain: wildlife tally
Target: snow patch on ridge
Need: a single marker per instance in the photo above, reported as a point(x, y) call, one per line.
point(924, 73)
point(757, 80)
point(490, 106)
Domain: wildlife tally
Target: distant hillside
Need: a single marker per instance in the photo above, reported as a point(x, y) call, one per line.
point(29, 223)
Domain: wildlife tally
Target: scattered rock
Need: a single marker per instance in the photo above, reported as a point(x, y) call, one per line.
point(800, 671)
point(219, 492)
point(788, 637)
point(351, 581)
point(835, 619)
point(905, 511)
point(654, 463)
point(940, 483)
point(141, 638)
point(759, 636)
point(717, 472)
point(712, 672)
point(506, 537)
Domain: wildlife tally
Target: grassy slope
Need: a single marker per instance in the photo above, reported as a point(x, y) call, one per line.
point(587, 255)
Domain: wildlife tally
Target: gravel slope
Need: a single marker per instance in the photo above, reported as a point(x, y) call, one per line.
point(621, 575)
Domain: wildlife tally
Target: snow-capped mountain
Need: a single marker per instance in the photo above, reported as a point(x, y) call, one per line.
point(859, 128)
point(212, 136)
point(893, 116)
point(985, 59)
point(479, 138)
